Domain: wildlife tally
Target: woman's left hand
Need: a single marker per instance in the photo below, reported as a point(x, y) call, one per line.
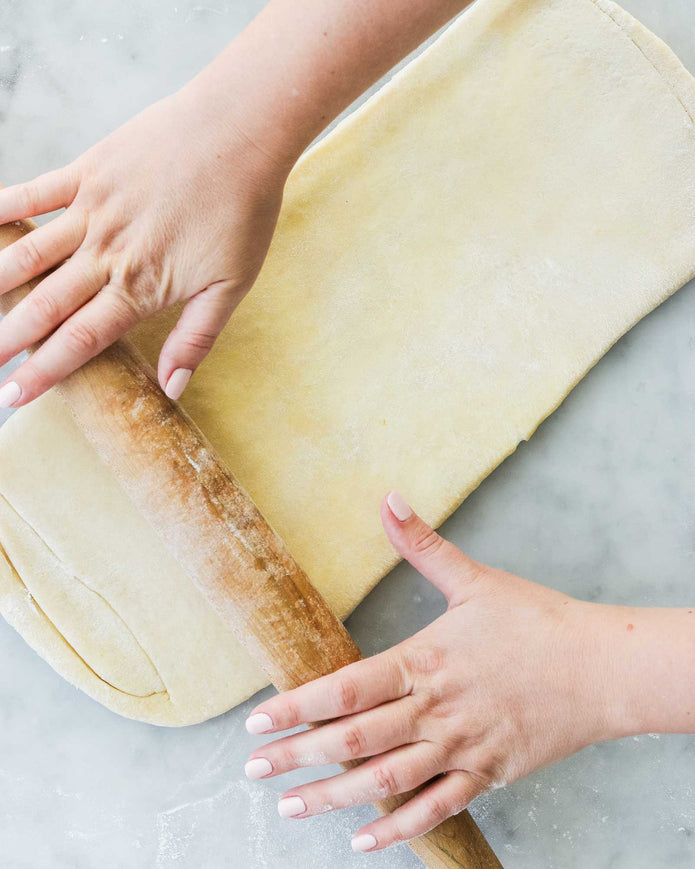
point(512, 677)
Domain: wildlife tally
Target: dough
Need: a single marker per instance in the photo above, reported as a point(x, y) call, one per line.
point(449, 262)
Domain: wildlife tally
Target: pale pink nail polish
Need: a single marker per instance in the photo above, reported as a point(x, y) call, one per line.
point(259, 723)
point(365, 842)
point(177, 383)
point(9, 393)
point(290, 807)
point(398, 506)
point(258, 767)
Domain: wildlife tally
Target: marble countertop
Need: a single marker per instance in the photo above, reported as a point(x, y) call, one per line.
point(600, 503)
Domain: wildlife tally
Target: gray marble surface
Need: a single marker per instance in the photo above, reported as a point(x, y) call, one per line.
point(600, 504)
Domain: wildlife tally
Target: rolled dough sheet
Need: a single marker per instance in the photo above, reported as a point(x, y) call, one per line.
point(449, 262)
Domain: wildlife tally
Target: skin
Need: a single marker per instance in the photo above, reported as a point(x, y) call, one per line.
point(200, 234)
point(514, 676)
point(179, 205)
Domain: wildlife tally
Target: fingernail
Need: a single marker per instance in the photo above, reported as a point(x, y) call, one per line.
point(177, 383)
point(259, 723)
point(9, 393)
point(290, 807)
point(365, 842)
point(258, 767)
point(398, 506)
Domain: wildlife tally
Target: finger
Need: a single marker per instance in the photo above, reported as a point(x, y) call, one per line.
point(446, 796)
point(93, 327)
point(351, 689)
point(437, 559)
point(362, 735)
point(40, 250)
point(45, 193)
point(49, 304)
point(379, 777)
point(190, 341)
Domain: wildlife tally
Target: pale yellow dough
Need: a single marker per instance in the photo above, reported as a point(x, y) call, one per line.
point(449, 262)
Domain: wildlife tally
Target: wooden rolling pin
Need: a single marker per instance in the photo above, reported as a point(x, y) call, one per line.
point(219, 537)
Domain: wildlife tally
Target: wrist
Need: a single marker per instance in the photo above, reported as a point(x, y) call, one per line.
point(218, 148)
point(248, 100)
point(640, 662)
point(590, 678)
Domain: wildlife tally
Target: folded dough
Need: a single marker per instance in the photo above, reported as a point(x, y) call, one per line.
point(449, 262)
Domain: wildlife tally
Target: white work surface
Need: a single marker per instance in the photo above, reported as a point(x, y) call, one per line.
point(600, 504)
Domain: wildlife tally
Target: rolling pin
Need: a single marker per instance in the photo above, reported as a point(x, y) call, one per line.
point(209, 523)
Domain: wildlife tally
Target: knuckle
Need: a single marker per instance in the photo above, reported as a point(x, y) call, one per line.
point(490, 776)
point(82, 339)
point(125, 274)
point(127, 309)
point(130, 302)
point(354, 742)
point(483, 765)
point(43, 307)
point(289, 717)
point(112, 240)
point(28, 198)
point(488, 767)
point(320, 800)
point(441, 706)
point(33, 379)
point(28, 255)
point(425, 660)
point(427, 542)
point(284, 760)
point(398, 834)
point(385, 781)
point(198, 340)
point(403, 669)
point(434, 810)
point(348, 694)
point(99, 238)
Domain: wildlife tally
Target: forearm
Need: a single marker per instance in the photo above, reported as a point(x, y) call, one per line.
point(300, 63)
point(649, 680)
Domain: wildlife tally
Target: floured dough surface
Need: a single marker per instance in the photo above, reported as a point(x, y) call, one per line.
point(92, 588)
point(449, 262)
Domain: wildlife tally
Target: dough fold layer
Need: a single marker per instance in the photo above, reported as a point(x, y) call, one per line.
point(449, 262)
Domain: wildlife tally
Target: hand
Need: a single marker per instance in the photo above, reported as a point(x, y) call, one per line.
point(180, 203)
point(176, 205)
point(510, 678)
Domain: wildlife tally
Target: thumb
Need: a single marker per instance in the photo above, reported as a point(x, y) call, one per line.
point(193, 337)
point(438, 560)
